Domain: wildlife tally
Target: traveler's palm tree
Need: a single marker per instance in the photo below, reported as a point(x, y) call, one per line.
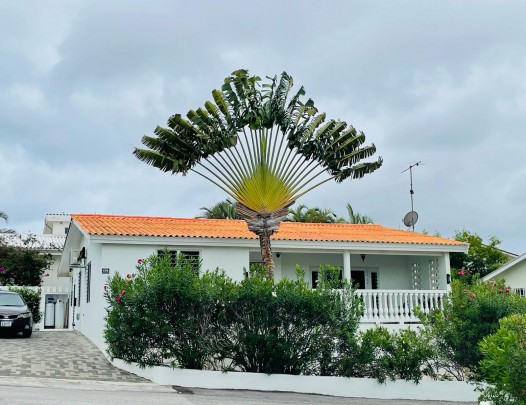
point(262, 147)
point(4, 216)
point(222, 210)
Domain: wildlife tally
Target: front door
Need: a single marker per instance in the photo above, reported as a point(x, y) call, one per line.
point(358, 278)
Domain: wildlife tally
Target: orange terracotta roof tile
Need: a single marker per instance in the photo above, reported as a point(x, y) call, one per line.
point(96, 224)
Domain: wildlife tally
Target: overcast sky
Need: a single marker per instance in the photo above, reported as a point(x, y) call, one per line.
point(442, 82)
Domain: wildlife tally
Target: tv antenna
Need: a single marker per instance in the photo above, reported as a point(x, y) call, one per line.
point(412, 216)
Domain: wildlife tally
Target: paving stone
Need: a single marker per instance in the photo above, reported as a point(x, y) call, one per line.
point(61, 354)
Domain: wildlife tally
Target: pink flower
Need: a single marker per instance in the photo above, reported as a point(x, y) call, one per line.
point(507, 290)
point(473, 296)
point(494, 284)
point(105, 288)
point(501, 291)
point(123, 292)
point(139, 261)
point(118, 299)
point(128, 276)
point(2, 269)
point(460, 273)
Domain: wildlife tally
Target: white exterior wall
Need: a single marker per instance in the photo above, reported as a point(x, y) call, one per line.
point(231, 259)
point(515, 276)
point(52, 279)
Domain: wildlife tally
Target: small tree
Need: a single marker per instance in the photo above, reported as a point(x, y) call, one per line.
point(22, 265)
point(481, 258)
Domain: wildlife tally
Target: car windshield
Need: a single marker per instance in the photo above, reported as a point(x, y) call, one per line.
point(11, 300)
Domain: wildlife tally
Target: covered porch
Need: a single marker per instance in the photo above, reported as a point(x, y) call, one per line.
point(391, 284)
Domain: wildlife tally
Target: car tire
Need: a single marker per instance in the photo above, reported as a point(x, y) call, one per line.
point(27, 333)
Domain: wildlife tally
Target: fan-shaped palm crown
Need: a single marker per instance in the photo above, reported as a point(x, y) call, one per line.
point(262, 147)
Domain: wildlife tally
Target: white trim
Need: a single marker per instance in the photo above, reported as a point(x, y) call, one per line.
point(300, 245)
point(460, 391)
point(508, 265)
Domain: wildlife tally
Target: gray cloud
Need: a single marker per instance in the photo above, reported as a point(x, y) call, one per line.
point(441, 82)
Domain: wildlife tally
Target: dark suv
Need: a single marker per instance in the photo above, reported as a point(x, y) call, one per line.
point(15, 316)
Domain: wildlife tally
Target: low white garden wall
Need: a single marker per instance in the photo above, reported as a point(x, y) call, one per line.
point(338, 386)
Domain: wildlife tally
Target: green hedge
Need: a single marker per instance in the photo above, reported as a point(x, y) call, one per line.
point(171, 315)
point(32, 299)
point(503, 366)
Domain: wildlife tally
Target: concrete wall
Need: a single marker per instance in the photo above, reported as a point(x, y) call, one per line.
point(52, 279)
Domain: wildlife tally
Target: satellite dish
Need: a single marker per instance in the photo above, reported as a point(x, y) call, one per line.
point(410, 219)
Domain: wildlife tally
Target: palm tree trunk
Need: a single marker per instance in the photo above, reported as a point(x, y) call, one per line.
point(266, 252)
point(263, 225)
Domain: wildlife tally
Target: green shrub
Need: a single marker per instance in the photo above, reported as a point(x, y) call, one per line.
point(287, 327)
point(503, 366)
point(471, 313)
point(165, 313)
point(22, 265)
point(171, 315)
point(32, 299)
point(383, 355)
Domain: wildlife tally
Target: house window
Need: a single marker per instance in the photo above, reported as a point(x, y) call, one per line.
point(374, 280)
point(188, 255)
point(520, 291)
point(88, 282)
point(79, 289)
point(171, 253)
point(192, 257)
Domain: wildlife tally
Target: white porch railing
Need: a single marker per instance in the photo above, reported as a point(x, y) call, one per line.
point(397, 306)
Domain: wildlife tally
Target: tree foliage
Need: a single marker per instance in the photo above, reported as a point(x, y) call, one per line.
point(263, 146)
point(321, 215)
point(22, 265)
point(314, 215)
point(481, 258)
point(222, 210)
point(503, 366)
point(471, 312)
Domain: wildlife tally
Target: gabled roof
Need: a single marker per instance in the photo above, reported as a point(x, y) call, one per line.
point(507, 266)
point(119, 225)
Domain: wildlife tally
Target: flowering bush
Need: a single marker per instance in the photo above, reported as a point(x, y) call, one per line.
point(471, 313)
point(22, 265)
point(503, 366)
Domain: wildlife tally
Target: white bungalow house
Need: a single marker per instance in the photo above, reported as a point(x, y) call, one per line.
point(514, 272)
point(394, 270)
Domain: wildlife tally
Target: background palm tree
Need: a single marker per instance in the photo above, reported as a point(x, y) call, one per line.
point(356, 217)
point(304, 214)
point(222, 210)
point(262, 147)
point(4, 216)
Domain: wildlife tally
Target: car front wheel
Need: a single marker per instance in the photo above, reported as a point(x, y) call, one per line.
point(27, 333)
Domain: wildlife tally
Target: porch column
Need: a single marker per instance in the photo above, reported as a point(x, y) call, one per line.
point(347, 266)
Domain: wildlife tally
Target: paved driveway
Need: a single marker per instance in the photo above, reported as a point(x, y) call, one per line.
point(58, 354)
